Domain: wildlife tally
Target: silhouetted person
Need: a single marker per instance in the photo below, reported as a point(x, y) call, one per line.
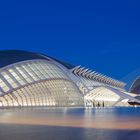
point(103, 104)
point(98, 104)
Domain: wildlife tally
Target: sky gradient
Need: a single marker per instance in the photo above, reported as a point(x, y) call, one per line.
point(102, 35)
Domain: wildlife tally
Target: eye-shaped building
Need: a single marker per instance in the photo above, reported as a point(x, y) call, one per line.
point(29, 79)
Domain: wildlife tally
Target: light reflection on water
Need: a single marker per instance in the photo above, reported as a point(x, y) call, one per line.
point(97, 123)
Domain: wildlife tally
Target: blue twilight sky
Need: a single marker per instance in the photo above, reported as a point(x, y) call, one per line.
point(100, 34)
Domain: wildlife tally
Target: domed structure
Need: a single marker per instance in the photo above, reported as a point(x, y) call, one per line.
point(135, 87)
point(32, 79)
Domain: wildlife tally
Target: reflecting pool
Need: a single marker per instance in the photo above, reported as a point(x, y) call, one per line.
point(70, 124)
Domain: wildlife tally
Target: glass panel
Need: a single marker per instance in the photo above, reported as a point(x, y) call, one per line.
point(3, 85)
point(21, 71)
point(17, 77)
point(30, 71)
point(9, 80)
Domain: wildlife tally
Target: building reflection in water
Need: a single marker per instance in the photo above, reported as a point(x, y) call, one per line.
point(100, 118)
point(97, 123)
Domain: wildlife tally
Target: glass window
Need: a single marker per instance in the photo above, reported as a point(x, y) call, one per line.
point(4, 87)
point(22, 72)
point(17, 77)
point(9, 80)
point(30, 71)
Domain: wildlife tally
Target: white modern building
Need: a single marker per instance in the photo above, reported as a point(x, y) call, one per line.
point(29, 79)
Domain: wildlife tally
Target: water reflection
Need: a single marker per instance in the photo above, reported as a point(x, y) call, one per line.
point(95, 123)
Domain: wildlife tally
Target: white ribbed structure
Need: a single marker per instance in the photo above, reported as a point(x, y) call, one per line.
point(30, 79)
point(37, 83)
point(95, 76)
point(101, 90)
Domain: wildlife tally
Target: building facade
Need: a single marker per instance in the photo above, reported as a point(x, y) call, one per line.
point(29, 79)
